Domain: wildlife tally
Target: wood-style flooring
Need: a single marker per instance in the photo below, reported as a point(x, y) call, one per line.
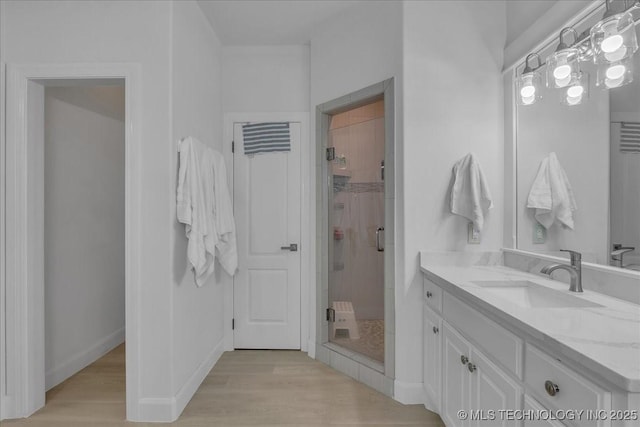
point(245, 388)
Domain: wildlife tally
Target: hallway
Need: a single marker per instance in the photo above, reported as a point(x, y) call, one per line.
point(245, 388)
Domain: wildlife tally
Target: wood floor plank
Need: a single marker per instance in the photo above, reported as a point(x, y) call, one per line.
point(246, 388)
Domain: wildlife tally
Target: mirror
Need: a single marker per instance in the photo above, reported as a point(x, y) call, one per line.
point(603, 173)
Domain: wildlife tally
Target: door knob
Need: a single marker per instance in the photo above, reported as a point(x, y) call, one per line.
point(293, 247)
point(551, 387)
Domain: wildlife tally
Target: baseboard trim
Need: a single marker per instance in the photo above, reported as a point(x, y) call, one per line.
point(166, 410)
point(80, 361)
point(156, 410)
point(408, 393)
point(311, 349)
point(191, 386)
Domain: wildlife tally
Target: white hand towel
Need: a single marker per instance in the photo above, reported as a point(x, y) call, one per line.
point(223, 213)
point(195, 206)
point(551, 194)
point(470, 195)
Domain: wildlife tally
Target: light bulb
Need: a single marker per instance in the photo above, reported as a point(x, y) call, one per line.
point(574, 100)
point(612, 83)
point(562, 72)
point(564, 81)
point(616, 55)
point(611, 43)
point(528, 100)
point(615, 72)
point(575, 91)
point(528, 91)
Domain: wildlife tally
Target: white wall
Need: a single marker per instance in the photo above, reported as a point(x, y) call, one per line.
point(453, 105)
point(180, 95)
point(84, 226)
point(196, 108)
point(265, 78)
point(105, 31)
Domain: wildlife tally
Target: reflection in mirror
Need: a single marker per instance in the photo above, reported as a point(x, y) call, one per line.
point(597, 144)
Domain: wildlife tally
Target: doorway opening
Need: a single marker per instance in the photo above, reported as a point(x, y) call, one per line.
point(84, 237)
point(62, 203)
point(355, 253)
point(356, 224)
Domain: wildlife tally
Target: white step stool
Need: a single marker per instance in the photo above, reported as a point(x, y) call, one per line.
point(345, 318)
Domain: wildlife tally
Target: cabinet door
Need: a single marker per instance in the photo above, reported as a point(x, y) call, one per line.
point(432, 358)
point(492, 390)
point(532, 406)
point(455, 381)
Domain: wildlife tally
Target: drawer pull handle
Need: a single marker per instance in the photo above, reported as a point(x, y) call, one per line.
point(471, 367)
point(464, 359)
point(551, 387)
point(435, 330)
point(429, 294)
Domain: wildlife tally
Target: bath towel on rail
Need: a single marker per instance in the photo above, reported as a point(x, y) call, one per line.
point(266, 137)
point(195, 206)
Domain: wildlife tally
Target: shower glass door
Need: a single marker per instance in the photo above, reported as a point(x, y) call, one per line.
point(356, 228)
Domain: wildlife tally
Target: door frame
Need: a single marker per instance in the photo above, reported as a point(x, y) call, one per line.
point(22, 285)
point(326, 352)
point(306, 226)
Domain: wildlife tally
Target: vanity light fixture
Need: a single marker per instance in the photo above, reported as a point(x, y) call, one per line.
point(562, 65)
point(611, 44)
point(528, 84)
point(614, 42)
point(614, 39)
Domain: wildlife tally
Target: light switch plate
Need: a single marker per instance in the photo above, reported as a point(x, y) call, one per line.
point(473, 235)
point(539, 233)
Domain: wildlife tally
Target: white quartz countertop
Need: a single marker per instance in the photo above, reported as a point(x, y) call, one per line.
point(605, 340)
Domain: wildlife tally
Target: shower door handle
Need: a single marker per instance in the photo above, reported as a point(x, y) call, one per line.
point(379, 247)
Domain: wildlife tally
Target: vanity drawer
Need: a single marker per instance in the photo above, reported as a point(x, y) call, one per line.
point(573, 390)
point(497, 342)
point(433, 295)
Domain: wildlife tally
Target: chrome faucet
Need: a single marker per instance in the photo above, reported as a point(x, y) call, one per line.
point(575, 270)
point(617, 255)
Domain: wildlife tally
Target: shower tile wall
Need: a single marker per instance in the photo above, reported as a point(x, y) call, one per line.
point(358, 274)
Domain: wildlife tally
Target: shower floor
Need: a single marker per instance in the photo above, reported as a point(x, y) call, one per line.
point(371, 342)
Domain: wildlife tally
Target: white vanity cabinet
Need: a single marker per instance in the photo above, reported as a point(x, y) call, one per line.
point(472, 363)
point(459, 376)
point(471, 382)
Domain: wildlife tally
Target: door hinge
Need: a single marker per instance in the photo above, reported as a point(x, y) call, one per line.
point(331, 153)
point(233, 324)
point(331, 315)
point(233, 146)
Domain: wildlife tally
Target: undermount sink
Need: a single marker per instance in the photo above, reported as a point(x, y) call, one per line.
point(524, 293)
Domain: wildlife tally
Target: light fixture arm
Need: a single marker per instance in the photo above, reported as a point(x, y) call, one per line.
point(563, 45)
point(528, 68)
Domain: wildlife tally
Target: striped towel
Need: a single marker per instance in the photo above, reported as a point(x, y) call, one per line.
point(266, 137)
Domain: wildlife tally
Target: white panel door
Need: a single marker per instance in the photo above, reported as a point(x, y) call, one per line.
point(266, 294)
point(455, 376)
point(432, 357)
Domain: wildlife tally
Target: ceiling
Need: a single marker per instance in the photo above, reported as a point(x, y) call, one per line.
point(279, 22)
point(521, 14)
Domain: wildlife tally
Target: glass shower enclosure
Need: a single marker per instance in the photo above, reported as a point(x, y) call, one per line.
point(356, 227)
